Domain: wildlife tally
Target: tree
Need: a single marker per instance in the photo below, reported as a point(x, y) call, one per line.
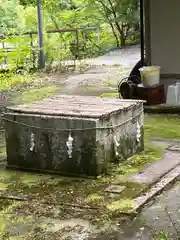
point(116, 19)
point(121, 15)
point(28, 2)
point(9, 15)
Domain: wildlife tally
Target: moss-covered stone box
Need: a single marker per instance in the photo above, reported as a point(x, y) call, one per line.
point(73, 135)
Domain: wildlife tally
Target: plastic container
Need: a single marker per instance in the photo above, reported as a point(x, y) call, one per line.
point(172, 92)
point(150, 75)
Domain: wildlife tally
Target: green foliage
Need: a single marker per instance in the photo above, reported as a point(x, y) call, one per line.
point(9, 15)
point(8, 81)
point(161, 236)
point(117, 22)
point(122, 16)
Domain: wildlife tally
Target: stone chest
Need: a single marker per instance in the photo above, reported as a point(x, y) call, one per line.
point(73, 135)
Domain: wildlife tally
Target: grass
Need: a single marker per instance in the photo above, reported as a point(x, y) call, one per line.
point(8, 81)
point(162, 236)
point(162, 126)
point(35, 94)
point(121, 205)
point(137, 162)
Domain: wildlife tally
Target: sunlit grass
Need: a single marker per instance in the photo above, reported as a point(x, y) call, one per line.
point(8, 81)
point(162, 126)
point(35, 94)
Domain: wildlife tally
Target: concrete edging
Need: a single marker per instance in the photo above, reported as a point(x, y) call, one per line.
point(154, 190)
point(162, 109)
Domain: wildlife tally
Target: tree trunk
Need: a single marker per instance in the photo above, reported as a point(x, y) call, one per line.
point(115, 35)
point(123, 40)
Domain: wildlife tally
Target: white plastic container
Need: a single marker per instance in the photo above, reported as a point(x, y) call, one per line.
point(178, 93)
point(150, 75)
point(172, 95)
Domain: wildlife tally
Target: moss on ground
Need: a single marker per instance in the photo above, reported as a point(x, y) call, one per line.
point(121, 205)
point(67, 198)
point(87, 193)
point(162, 126)
point(35, 94)
point(9, 81)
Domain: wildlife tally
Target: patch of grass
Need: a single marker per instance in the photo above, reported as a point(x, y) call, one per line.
point(9, 81)
point(132, 190)
point(162, 126)
point(30, 179)
point(36, 94)
point(125, 205)
point(10, 220)
point(3, 186)
point(162, 236)
point(137, 162)
point(94, 198)
point(5, 218)
point(5, 176)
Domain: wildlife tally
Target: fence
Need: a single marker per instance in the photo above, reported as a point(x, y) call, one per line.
point(18, 49)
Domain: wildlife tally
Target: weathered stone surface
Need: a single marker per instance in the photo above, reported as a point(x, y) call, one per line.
point(92, 123)
point(115, 189)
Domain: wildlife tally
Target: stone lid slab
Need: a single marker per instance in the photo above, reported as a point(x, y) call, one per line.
point(76, 106)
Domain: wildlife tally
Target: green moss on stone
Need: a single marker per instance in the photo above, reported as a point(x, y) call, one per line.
point(122, 205)
point(94, 197)
point(129, 146)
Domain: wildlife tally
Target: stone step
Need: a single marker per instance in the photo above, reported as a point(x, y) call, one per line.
point(154, 171)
